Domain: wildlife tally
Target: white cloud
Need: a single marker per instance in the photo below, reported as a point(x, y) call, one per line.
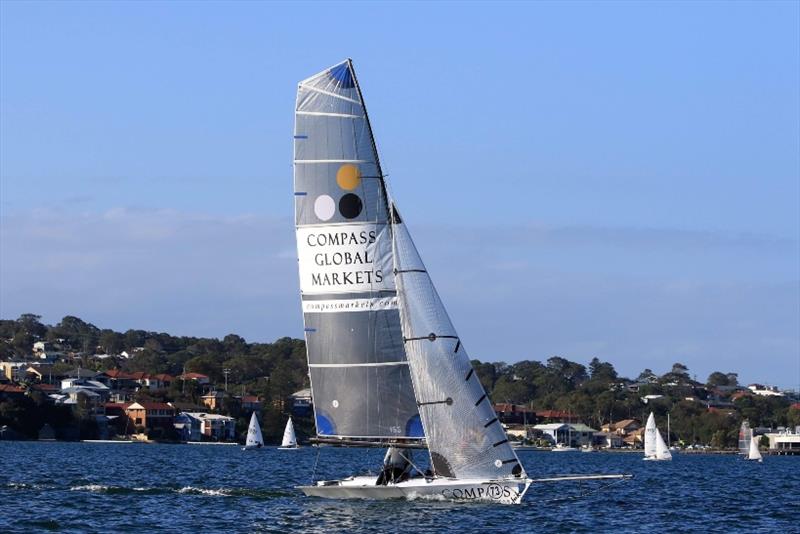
point(638, 298)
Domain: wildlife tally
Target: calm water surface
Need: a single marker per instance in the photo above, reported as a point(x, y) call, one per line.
point(135, 487)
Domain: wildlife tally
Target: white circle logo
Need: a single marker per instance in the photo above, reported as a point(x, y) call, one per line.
point(335, 403)
point(324, 207)
point(498, 463)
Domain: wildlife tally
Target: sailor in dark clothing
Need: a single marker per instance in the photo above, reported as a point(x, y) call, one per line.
point(396, 466)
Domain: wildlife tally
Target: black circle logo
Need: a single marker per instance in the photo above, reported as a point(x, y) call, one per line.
point(350, 206)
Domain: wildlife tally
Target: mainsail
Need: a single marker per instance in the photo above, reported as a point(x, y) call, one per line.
point(650, 432)
point(745, 436)
point(254, 438)
point(360, 380)
point(464, 436)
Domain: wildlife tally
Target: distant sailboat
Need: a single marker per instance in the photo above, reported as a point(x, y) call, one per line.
point(254, 438)
point(754, 453)
point(289, 439)
point(745, 437)
point(654, 446)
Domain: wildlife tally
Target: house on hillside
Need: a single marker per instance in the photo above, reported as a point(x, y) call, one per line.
point(514, 414)
point(555, 416)
point(301, 402)
point(214, 400)
point(201, 379)
point(250, 403)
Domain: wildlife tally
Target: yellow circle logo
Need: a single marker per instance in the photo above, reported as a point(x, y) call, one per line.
point(348, 177)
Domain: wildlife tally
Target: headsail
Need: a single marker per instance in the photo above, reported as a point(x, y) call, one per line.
point(464, 436)
point(360, 378)
point(662, 452)
point(753, 453)
point(254, 438)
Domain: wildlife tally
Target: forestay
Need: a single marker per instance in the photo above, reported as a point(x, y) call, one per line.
point(464, 436)
point(360, 378)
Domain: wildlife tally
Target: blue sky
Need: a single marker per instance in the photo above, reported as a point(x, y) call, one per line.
point(619, 180)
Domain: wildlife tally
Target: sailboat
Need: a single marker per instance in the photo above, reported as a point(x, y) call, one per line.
point(654, 446)
point(386, 366)
point(254, 439)
point(754, 453)
point(289, 439)
point(745, 437)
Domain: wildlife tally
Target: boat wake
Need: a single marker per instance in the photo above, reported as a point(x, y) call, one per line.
point(184, 490)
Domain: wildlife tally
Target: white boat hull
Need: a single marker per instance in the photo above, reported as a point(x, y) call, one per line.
point(504, 491)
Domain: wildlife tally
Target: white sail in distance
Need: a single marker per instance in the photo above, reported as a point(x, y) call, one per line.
point(254, 438)
point(289, 439)
point(745, 436)
point(753, 453)
point(650, 432)
point(662, 451)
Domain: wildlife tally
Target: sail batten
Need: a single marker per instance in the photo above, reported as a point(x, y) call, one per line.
point(360, 381)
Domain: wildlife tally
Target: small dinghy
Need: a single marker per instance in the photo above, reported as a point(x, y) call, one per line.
point(254, 438)
point(289, 439)
point(654, 446)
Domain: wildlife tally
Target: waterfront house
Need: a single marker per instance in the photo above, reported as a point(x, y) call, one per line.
point(212, 427)
point(188, 426)
point(581, 434)
point(150, 414)
point(622, 428)
point(553, 432)
point(608, 440)
point(784, 441)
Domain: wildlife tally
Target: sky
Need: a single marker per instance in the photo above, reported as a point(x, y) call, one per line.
point(619, 180)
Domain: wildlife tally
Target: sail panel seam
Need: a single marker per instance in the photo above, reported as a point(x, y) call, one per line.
point(329, 114)
point(328, 93)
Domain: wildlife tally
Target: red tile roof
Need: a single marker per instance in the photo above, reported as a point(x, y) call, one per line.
point(163, 377)
point(9, 388)
point(553, 414)
point(119, 374)
point(191, 376)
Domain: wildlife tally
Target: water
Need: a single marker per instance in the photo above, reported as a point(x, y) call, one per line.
point(134, 487)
